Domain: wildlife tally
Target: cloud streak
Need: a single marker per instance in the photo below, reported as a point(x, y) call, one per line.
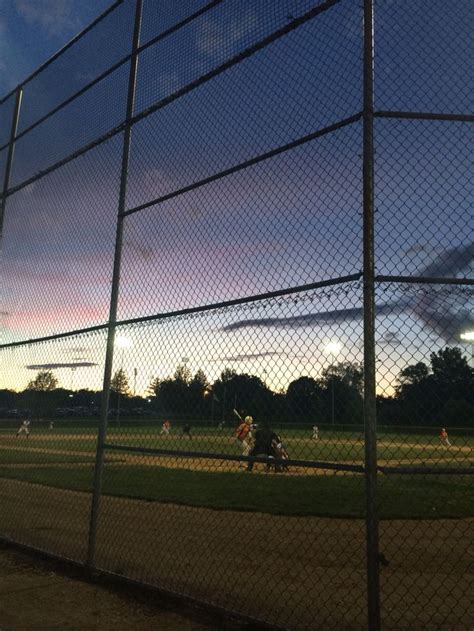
point(60, 365)
point(247, 356)
point(428, 308)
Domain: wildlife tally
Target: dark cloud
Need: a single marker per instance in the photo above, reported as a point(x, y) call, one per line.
point(391, 338)
point(448, 317)
point(246, 356)
point(60, 365)
point(310, 319)
point(450, 262)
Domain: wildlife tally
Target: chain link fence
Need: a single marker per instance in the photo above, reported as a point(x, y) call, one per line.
point(236, 355)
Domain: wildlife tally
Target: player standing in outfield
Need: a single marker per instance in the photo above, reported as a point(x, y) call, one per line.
point(24, 428)
point(51, 424)
point(165, 428)
point(243, 435)
point(186, 430)
point(444, 437)
point(315, 435)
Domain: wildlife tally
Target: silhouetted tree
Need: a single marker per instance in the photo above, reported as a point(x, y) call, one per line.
point(7, 398)
point(423, 393)
point(342, 384)
point(119, 382)
point(414, 374)
point(304, 400)
point(200, 395)
point(44, 381)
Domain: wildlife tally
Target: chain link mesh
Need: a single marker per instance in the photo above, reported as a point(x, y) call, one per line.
point(421, 230)
point(49, 408)
point(90, 56)
point(6, 116)
point(71, 128)
point(226, 460)
point(243, 222)
point(423, 58)
point(57, 253)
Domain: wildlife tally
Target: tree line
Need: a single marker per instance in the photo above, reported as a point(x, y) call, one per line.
point(438, 392)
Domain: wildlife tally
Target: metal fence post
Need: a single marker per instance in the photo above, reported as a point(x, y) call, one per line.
point(372, 530)
point(109, 357)
point(11, 150)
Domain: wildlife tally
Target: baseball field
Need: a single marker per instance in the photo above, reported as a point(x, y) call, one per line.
point(204, 526)
point(64, 458)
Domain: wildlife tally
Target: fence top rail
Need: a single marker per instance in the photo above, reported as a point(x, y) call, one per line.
point(310, 464)
point(191, 310)
point(291, 462)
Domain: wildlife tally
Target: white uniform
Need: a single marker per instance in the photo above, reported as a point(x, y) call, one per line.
point(24, 429)
point(315, 432)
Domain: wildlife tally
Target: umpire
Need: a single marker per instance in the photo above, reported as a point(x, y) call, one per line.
point(263, 443)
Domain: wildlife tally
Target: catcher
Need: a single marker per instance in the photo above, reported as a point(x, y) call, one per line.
point(279, 451)
point(267, 443)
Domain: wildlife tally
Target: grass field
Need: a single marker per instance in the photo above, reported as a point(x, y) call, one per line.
point(63, 458)
point(333, 447)
point(401, 497)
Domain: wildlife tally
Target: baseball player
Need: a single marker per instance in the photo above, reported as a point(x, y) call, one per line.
point(315, 435)
point(279, 451)
point(243, 435)
point(165, 428)
point(51, 424)
point(186, 430)
point(264, 440)
point(444, 437)
point(24, 428)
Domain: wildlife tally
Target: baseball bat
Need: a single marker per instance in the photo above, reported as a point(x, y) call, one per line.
point(237, 414)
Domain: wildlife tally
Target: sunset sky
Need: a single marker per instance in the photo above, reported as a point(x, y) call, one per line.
point(289, 220)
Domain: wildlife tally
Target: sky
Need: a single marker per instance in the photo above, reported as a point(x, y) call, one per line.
point(33, 30)
point(290, 220)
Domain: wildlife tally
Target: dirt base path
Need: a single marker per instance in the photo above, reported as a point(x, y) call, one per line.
point(299, 572)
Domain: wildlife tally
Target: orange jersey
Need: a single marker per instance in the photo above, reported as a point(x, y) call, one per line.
point(242, 431)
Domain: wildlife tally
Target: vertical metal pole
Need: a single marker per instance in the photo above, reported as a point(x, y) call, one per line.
point(332, 394)
point(372, 525)
point(11, 150)
point(109, 357)
point(223, 402)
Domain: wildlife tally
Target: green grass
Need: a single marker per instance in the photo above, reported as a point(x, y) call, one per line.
point(401, 497)
point(334, 447)
point(31, 456)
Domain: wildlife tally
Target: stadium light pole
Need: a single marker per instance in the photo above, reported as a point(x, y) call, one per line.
point(121, 342)
point(73, 370)
point(207, 392)
point(332, 349)
point(468, 336)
